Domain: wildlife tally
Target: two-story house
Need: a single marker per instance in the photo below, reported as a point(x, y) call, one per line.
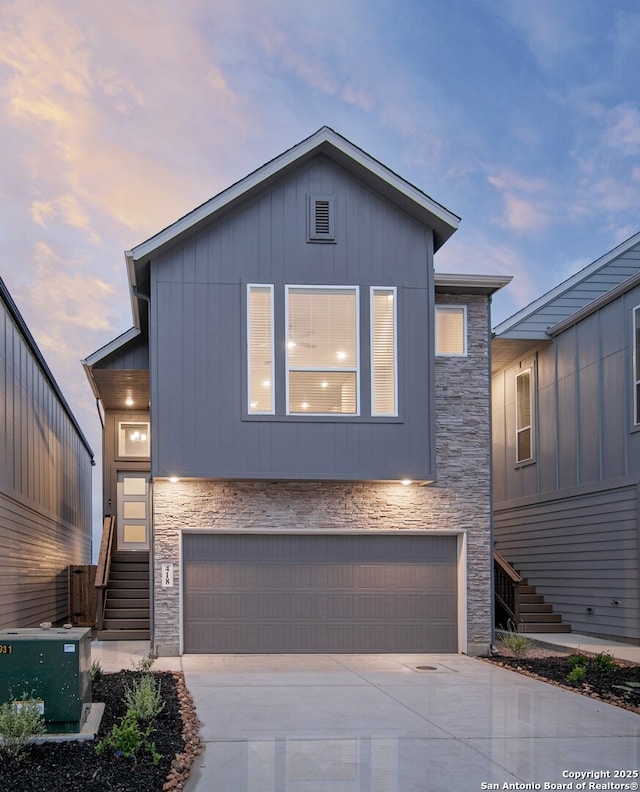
point(45, 481)
point(566, 444)
point(297, 426)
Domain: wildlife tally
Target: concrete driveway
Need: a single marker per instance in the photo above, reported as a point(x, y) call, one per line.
point(376, 723)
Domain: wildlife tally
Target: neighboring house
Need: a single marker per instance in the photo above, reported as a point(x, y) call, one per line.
point(45, 482)
point(566, 444)
point(294, 359)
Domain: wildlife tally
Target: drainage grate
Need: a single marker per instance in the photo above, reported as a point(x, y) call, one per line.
point(426, 668)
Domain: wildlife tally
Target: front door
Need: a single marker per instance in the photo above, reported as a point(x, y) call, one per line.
point(133, 511)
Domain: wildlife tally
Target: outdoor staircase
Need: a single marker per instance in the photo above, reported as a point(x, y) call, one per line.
point(126, 605)
point(519, 604)
point(536, 616)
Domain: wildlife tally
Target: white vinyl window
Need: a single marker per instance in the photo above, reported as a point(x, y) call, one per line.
point(636, 365)
point(260, 349)
point(322, 350)
point(384, 375)
point(524, 416)
point(451, 330)
point(133, 439)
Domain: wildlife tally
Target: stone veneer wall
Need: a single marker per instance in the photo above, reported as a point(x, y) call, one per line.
point(459, 499)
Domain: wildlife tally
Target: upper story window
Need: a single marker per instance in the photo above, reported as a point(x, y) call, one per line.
point(260, 348)
point(451, 330)
point(384, 374)
point(310, 364)
point(133, 439)
point(636, 365)
point(524, 416)
point(322, 350)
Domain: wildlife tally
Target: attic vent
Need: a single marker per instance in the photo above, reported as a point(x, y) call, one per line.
point(321, 226)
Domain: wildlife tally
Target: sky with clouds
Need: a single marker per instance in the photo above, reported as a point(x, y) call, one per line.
point(117, 118)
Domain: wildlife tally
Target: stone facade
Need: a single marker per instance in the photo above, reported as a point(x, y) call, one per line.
point(459, 500)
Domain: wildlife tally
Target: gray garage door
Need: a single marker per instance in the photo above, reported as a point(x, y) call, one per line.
point(319, 593)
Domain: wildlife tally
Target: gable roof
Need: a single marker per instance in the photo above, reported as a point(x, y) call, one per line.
point(342, 151)
point(574, 294)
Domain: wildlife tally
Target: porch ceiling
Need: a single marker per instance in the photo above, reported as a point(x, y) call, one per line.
point(116, 387)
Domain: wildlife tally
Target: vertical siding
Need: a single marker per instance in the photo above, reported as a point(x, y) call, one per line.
point(200, 427)
point(581, 552)
point(45, 488)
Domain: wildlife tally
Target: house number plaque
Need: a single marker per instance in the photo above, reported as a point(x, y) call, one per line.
point(167, 575)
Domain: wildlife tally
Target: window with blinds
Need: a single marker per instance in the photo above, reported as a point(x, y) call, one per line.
point(322, 350)
point(384, 380)
point(260, 348)
point(524, 423)
point(451, 330)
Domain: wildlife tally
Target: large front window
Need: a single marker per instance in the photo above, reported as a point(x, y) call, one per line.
point(322, 350)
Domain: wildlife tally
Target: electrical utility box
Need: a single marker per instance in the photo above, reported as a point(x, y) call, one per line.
point(52, 666)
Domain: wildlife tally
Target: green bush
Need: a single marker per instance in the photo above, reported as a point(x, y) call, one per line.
point(96, 671)
point(143, 664)
point(127, 739)
point(604, 663)
point(517, 643)
point(577, 660)
point(577, 675)
point(144, 697)
point(19, 720)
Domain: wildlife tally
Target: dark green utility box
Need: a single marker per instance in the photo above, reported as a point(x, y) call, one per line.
point(52, 666)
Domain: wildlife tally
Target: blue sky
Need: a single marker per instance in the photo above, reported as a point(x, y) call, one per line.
point(522, 117)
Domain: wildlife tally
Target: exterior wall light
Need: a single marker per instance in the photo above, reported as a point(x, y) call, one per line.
point(406, 482)
point(174, 479)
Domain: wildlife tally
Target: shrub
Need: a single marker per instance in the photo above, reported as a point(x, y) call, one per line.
point(577, 660)
point(577, 675)
point(143, 664)
point(517, 643)
point(96, 671)
point(144, 697)
point(604, 663)
point(19, 720)
point(127, 739)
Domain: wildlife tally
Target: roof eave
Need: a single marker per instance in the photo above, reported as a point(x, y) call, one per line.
point(324, 140)
point(461, 283)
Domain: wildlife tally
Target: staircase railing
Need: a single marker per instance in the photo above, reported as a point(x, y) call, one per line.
point(507, 584)
point(103, 568)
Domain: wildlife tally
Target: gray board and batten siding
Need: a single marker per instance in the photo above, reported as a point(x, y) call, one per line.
point(45, 482)
point(199, 393)
point(568, 519)
point(319, 593)
point(575, 293)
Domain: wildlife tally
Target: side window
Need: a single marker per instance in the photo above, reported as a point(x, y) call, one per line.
point(384, 355)
point(524, 416)
point(260, 349)
point(451, 330)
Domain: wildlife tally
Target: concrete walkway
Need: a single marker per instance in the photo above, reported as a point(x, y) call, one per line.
point(377, 723)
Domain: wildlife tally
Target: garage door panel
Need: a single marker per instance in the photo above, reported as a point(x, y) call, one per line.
point(300, 593)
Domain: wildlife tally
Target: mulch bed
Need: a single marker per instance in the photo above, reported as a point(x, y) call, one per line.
point(67, 767)
point(596, 684)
